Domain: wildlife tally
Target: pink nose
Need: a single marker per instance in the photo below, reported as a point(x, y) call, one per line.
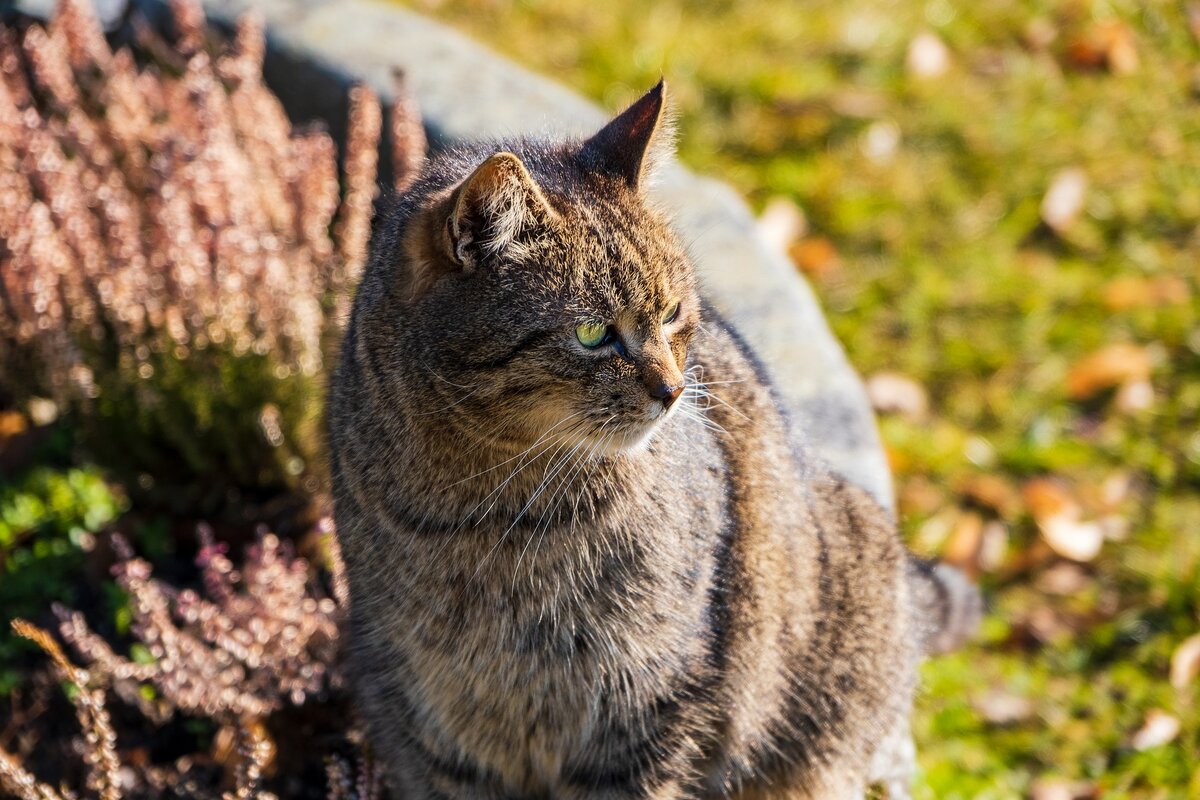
point(660, 390)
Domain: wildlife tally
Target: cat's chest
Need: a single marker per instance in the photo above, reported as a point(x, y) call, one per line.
point(564, 654)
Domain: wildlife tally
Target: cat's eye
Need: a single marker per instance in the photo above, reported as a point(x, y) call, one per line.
point(593, 334)
point(671, 315)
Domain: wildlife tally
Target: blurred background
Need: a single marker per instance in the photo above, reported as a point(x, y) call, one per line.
point(997, 203)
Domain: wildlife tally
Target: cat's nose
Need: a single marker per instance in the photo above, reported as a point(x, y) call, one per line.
point(668, 394)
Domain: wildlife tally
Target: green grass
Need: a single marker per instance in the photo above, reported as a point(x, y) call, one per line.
point(947, 275)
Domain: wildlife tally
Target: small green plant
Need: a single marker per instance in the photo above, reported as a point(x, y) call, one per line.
point(48, 519)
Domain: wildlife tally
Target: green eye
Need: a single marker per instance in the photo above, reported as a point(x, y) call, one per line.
point(592, 334)
point(671, 315)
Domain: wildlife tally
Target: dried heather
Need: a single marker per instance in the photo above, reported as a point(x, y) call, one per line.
point(357, 780)
point(100, 741)
point(168, 273)
point(263, 636)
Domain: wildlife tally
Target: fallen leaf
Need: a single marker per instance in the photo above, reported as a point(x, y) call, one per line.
point(1060, 789)
point(1134, 397)
point(1185, 662)
point(992, 491)
point(1039, 33)
point(1128, 291)
point(1115, 489)
point(964, 543)
point(1109, 44)
point(782, 222)
point(1159, 728)
point(994, 550)
point(1079, 541)
point(1000, 707)
point(928, 56)
point(880, 141)
point(1106, 368)
point(1136, 291)
point(11, 424)
point(1063, 579)
point(816, 256)
point(1060, 520)
point(1047, 498)
point(1047, 625)
point(1064, 199)
point(894, 393)
point(920, 496)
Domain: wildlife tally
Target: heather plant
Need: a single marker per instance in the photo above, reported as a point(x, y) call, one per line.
point(255, 640)
point(174, 257)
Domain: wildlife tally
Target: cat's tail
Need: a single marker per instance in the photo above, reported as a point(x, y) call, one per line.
point(948, 606)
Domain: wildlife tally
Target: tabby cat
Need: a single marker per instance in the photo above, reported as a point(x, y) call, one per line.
point(586, 558)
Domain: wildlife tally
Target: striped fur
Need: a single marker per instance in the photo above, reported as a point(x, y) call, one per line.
point(559, 589)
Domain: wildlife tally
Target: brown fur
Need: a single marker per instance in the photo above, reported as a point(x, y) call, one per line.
point(559, 591)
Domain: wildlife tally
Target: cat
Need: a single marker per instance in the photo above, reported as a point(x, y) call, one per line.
point(586, 558)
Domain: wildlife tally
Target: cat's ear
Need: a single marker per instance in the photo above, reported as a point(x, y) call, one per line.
point(493, 209)
point(636, 142)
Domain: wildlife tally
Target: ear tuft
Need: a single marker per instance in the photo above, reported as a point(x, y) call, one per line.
point(636, 143)
point(493, 208)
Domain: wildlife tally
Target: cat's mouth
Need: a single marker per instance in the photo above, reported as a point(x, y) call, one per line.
point(634, 434)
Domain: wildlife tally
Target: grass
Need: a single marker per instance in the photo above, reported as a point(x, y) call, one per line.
point(924, 197)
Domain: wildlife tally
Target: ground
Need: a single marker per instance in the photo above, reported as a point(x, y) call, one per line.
point(1054, 339)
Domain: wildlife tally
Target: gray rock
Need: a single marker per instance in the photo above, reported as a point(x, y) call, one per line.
point(109, 12)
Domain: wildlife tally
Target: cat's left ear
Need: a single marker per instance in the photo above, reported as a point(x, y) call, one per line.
point(636, 143)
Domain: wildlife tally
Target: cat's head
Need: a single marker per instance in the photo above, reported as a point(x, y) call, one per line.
point(550, 303)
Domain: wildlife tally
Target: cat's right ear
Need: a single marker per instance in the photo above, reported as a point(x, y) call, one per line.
point(493, 210)
point(635, 145)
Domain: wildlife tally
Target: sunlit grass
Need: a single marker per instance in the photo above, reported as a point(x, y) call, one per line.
point(929, 189)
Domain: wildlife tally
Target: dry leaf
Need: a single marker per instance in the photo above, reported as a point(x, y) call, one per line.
point(1047, 625)
point(1159, 728)
point(1115, 490)
point(11, 424)
point(1107, 44)
point(1134, 396)
point(1079, 541)
point(920, 496)
point(1040, 33)
point(992, 491)
point(1064, 199)
point(782, 223)
point(1136, 291)
point(1004, 708)
point(994, 551)
point(816, 256)
point(1060, 789)
point(1063, 579)
point(880, 141)
point(928, 56)
point(1047, 498)
point(965, 541)
point(893, 393)
point(1106, 368)
point(1060, 519)
point(1185, 662)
